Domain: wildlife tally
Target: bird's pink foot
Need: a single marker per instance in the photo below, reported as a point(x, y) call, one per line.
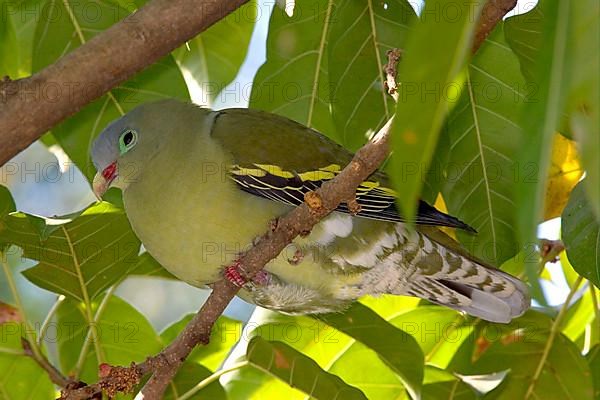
point(237, 276)
point(233, 274)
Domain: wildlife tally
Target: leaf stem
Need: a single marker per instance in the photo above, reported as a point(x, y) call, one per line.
point(48, 319)
point(554, 330)
point(211, 379)
point(595, 303)
point(89, 338)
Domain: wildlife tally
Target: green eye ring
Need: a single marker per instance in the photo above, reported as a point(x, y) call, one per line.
point(127, 140)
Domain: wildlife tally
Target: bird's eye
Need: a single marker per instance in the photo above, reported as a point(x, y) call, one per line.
point(127, 140)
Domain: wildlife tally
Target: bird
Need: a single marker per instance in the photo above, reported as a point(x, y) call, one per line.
point(199, 186)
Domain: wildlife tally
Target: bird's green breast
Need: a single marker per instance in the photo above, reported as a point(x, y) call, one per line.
point(189, 214)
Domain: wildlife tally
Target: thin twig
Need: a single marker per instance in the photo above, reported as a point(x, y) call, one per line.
point(48, 319)
point(55, 375)
point(391, 71)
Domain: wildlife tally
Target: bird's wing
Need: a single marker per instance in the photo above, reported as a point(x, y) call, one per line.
point(376, 201)
point(267, 162)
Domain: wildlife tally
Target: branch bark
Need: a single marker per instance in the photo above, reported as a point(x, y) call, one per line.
point(104, 62)
point(493, 11)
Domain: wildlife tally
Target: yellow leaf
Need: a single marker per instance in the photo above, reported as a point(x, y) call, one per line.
point(440, 204)
point(565, 172)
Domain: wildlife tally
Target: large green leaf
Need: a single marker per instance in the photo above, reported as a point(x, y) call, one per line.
point(581, 82)
point(540, 118)
point(395, 347)
point(335, 351)
point(56, 36)
point(439, 331)
point(361, 35)
point(578, 317)
point(439, 384)
point(9, 47)
point(146, 265)
point(593, 358)
point(298, 370)
point(78, 255)
point(7, 204)
point(430, 73)
point(522, 347)
point(581, 235)
point(294, 80)
point(482, 167)
point(524, 35)
point(121, 335)
point(20, 377)
point(583, 103)
point(212, 59)
point(225, 334)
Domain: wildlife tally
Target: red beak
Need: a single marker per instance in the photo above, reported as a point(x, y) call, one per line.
point(103, 179)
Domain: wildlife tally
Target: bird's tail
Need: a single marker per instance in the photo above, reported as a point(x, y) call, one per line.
point(445, 274)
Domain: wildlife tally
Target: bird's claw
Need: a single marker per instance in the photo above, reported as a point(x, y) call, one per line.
point(233, 274)
point(236, 275)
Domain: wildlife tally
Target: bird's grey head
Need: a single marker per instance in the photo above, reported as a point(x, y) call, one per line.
point(125, 146)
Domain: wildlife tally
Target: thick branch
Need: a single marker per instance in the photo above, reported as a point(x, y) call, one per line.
point(492, 13)
point(91, 70)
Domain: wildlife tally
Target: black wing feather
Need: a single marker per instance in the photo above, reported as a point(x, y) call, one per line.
point(375, 202)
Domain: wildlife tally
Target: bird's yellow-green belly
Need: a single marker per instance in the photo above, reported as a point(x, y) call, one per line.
point(194, 233)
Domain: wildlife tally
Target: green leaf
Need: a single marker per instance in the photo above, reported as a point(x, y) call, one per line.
point(578, 317)
point(312, 338)
point(9, 47)
point(583, 103)
point(298, 370)
point(123, 335)
point(146, 265)
point(7, 204)
point(79, 255)
point(522, 347)
point(482, 167)
point(430, 73)
point(294, 80)
point(395, 347)
point(439, 384)
point(540, 118)
point(225, 334)
point(20, 377)
point(333, 350)
point(439, 331)
point(581, 235)
point(56, 36)
point(212, 59)
point(188, 376)
point(524, 35)
point(593, 358)
point(361, 34)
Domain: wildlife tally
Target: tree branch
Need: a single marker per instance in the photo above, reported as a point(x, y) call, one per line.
point(491, 14)
point(104, 62)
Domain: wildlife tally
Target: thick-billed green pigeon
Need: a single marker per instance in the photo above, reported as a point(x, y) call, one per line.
point(200, 185)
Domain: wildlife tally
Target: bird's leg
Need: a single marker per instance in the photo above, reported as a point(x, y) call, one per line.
point(235, 274)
